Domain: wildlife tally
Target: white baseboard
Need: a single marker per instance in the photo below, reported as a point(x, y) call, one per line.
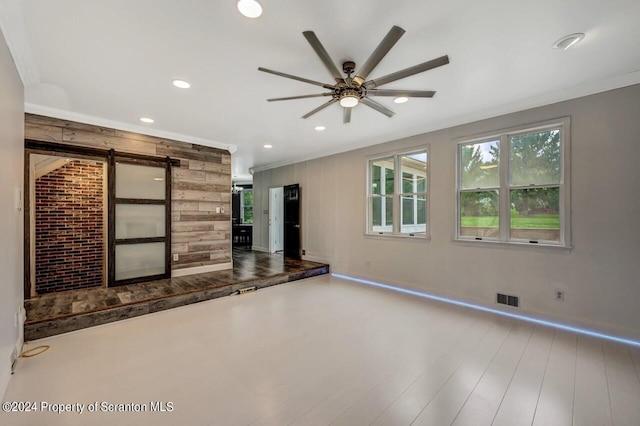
point(260, 248)
point(5, 373)
point(201, 269)
point(551, 318)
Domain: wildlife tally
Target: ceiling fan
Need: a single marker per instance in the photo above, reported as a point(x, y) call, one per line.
point(350, 91)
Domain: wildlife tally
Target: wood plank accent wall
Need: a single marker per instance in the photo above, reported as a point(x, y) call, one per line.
point(202, 183)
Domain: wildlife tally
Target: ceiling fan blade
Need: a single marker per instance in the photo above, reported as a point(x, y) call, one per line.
point(407, 93)
point(383, 48)
point(324, 56)
point(416, 69)
point(293, 77)
point(288, 98)
point(321, 107)
point(346, 115)
point(378, 107)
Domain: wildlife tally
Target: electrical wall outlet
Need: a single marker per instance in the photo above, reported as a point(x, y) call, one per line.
point(18, 199)
point(221, 209)
point(560, 295)
point(218, 210)
point(175, 257)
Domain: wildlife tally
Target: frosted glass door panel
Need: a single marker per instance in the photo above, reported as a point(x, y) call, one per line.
point(140, 221)
point(139, 260)
point(140, 182)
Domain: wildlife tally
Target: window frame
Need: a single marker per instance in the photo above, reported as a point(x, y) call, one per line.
point(398, 194)
point(505, 187)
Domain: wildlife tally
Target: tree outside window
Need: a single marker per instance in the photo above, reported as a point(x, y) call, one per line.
point(246, 205)
point(525, 203)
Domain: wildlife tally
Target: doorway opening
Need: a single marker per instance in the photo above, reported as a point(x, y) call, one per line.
point(242, 216)
point(68, 201)
point(94, 218)
point(276, 219)
point(284, 220)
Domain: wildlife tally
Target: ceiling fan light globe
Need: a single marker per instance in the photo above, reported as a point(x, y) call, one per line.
point(349, 101)
point(401, 99)
point(250, 8)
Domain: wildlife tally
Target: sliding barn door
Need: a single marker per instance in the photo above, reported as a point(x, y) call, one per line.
point(140, 229)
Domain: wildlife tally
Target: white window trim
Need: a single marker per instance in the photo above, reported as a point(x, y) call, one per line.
point(504, 135)
point(397, 196)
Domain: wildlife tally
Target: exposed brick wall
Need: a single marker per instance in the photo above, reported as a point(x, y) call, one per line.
point(69, 227)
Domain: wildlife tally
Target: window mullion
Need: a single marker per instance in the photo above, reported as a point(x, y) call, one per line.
point(414, 188)
point(383, 191)
point(504, 195)
point(397, 194)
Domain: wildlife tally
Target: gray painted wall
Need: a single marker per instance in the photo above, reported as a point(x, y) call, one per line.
point(11, 228)
point(600, 275)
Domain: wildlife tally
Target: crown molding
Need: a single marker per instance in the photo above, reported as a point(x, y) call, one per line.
point(103, 122)
point(593, 88)
point(15, 34)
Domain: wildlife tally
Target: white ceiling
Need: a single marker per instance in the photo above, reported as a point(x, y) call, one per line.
point(113, 62)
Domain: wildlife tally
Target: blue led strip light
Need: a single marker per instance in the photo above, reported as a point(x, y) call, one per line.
point(494, 311)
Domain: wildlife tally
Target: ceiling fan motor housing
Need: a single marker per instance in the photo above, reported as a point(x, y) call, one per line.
point(349, 67)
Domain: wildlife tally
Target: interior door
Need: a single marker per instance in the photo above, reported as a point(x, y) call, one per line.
point(140, 231)
point(276, 216)
point(292, 221)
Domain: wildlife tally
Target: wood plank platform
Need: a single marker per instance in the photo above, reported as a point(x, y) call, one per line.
point(62, 312)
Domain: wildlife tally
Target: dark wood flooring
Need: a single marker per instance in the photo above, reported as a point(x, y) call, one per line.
point(61, 312)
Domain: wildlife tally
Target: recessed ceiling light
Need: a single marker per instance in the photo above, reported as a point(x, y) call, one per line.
point(401, 99)
point(181, 84)
point(250, 8)
point(320, 128)
point(268, 146)
point(567, 41)
point(146, 120)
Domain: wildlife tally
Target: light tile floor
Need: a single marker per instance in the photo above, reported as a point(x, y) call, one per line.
point(329, 352)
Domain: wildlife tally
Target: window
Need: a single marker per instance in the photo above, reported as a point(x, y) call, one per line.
point(246, 205)
point(397, 194)
point(513, 187)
